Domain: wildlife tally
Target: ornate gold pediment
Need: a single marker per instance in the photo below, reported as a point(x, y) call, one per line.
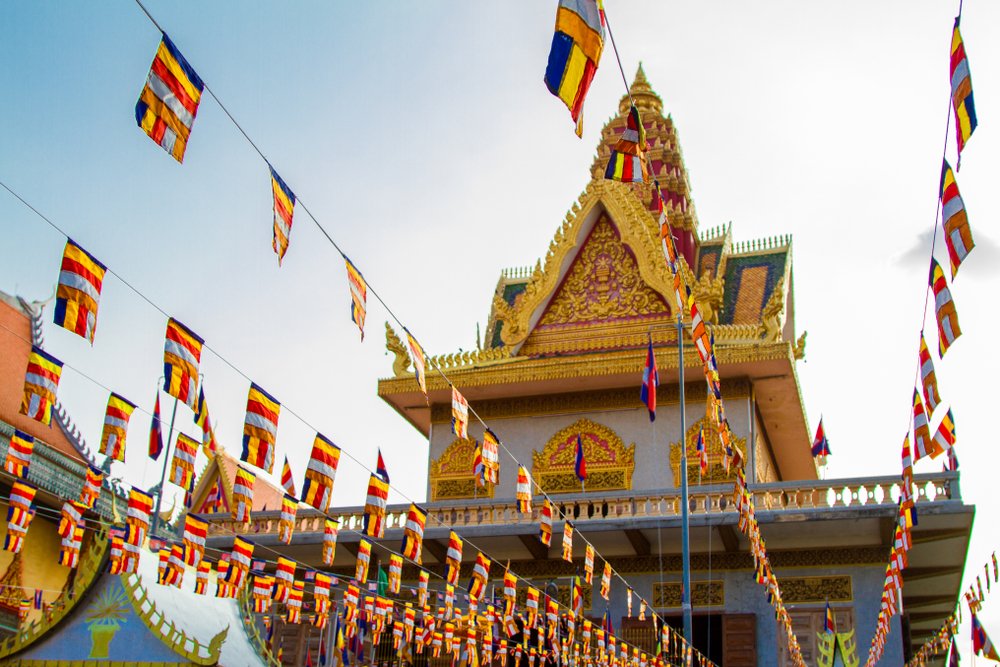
point(609, 462)
point(602, 203)
point(451, 473)
point(716, 469)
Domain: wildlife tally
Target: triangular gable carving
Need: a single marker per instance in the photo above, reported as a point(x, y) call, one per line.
point(214, 472)
point(637, 231)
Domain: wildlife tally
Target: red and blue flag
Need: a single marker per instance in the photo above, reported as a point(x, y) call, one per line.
point(650, 380)
point(580, 465)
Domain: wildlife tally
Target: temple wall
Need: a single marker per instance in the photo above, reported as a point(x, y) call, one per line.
point(38, 565)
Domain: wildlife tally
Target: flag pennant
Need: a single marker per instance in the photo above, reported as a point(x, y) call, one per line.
point(364, 558)
point(567, 542)
point(19, 515)
point(69, 552)
point(650, 380)
point(820, 446)
point(580, 461)
point(419, 361)
point(459, 414)
point(928, 378)
point(182, 465)
point(423, 578)
point(181, 362)
point(209, 444)
point(359, 296)
point(284, 209)
point(330, 530)
point(286, 521)
point(944, 309)
point(627, 162)
point(531, 604)
point(413, 533)
point(575, 54)
point(491, 457)
point(380, 468)
point(155, 431)
point(375, 505)
point(243, 494)
point(91, 487)
point(320, 473)
point(957, 233)
point(79, 291)
point(588, 565)
point(944, 438)
point(606, 581)
point(480, 574)
point(523, 492)
point(545, 523)
point(961, 91)
point(921, 431)
point(169, 101)
point(478, 468)
point(116, 418)
point(981, 644)
point(509, 591)
point(395, 573)
point(453, 557)
point(71, 515)
point(576, 598)
point(41, 380)
point(286, 478)
point(140, 505)
point(19, 454)
point(260, 430)
point(702, 452)
point(195, 533)
point(239, 562)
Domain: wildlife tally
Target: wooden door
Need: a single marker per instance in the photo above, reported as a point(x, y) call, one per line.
point(739, 640)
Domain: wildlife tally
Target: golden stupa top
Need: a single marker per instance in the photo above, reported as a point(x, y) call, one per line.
point(642, 95)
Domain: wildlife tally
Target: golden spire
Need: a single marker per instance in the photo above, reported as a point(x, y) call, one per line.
point(643, 95)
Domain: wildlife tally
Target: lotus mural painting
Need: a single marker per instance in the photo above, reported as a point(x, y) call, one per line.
point(104, 618)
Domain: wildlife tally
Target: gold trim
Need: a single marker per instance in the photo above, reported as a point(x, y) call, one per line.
point(836, 588)
point(451, 475)
point(253, 634)
point(610, 463)
point(667, 595)
point(716, 469)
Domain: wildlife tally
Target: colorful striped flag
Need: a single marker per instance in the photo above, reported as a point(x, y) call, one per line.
point(239, 562)
point(944, 309)
point(284, 209)
point(195, 533)
point(375, 506)
point(330, 530)
point(491, 457)
point(453, 557)
point(41, 381)
point(928, 378)
point(243, 494)
point(567, 542)
point(480, 573)
point(260, 429)
point(359, 296)
point(169, 102)
point(650, 380)
point(580, 461)
point(413, 533)
point(395, 573)
point(182, 465)
point(155, 431)
point(944, 437)
point(606, 581)
point(320, 473)
point(91, 486)
point(181, 360)
point(921, 431)
point(69, 553)
point(588, 565)
point(209, 444)
point(545, 523)
point(286, 521)
point(575, 54)
point(961, 91)
point(627, 162)
point(19, 454)
point(419, 361)
point(703, 453)
point(79, 291)
point(459, 414)
point(957, 233)
point(478, 468)
point(116, 418)
point(523, 490)
point(140, 505)
point(287, 482)
point(364, 558)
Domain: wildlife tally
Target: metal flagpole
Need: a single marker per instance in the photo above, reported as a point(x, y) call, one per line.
point(163, 474)
point(685, 525)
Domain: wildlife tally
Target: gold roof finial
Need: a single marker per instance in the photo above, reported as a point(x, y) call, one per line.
point(643, 95)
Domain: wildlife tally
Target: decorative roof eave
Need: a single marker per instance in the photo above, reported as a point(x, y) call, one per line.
point(638, 231)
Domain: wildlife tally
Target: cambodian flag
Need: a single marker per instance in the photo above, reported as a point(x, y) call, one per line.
point(155, 434)
point(380, 468)
point(821, 446)
point(829, 626)
point(981, 644)
point(650, 379)
point(580, 466)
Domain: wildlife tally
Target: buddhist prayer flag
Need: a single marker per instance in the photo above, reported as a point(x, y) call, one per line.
point(209, 444)
point(70, 516)
point(947, 317)
point(375, 504)
point(169, 101)
point(419, 361)
point(545, 523)
point(195, 533)
point(961, 91)
point(523, 492)
point(286, 522)
point(41, 380)
point(260, 430)
point(320, 473)
point(491, 457)
point(243, 494)
point(19, 515)
point(944, 438)
point(359, 296)
point(19, 454)
point(820, 446)
point(480, 573)
point(650, 380)
point(181, 360)
point(116, 418)
point(478, 468)
point(182, 465)
point(567, 542)
point(79, 291)
point(140, 504)
point(155, 432)
point(330, 530)
point(459, 414)
point(91, 486)
point(453, 557)
point(239, 562)
point(627, 162)
point(69, 552)
point(413, 533)
point(286, 478)
point(509, 590)
point(606, 581)
point(928, 378)
point(364, 558)
point(921, 430)
point(580, 462)
point(957, 233)
point(588, 565)
point(395, 573)
point(284, 209)
point(575, 54)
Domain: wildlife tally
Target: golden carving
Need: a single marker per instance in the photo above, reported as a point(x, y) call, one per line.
point(773, 314)
point(609, 462)
point(817, 589)
point(708, 292)
point(703, 594)
point(716, 470)
point(11, 591)
point(401, 360)
point(799, 350)
point(603, 283)
point(451, 473)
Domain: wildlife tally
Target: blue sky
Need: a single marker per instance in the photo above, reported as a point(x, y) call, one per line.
point(423, 138)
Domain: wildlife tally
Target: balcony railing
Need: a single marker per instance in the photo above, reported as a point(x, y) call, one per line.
point(798, 496)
